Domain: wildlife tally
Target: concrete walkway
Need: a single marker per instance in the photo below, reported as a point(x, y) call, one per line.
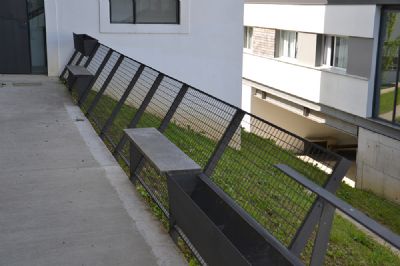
point(63, 198)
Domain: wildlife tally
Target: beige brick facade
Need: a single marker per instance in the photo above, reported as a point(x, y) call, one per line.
point(264, 42)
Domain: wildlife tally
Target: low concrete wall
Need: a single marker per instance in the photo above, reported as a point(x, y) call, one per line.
point(378, 164)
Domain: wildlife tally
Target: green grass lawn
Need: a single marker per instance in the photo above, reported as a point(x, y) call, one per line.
point(386, 102)
point(273, 199)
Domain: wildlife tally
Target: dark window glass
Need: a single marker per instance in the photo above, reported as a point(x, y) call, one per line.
point(145, 11)
point(122, 11)
point(388, 96)
point(248, 38)
point(37, 29)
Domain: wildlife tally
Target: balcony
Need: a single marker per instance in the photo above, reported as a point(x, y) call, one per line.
point(310, 83)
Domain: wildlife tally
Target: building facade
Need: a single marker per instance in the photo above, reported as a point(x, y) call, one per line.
point(330, 73)
point(177, 37)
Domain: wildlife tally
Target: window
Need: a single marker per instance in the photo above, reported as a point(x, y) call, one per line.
point(144, 11)
point(248, 38)
point(387, 97)
point(335, 51)
point(287, 44)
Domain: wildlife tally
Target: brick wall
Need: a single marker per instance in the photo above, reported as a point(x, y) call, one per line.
point(264, 42)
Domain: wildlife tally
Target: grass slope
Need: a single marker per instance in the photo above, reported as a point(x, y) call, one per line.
point(277, 202)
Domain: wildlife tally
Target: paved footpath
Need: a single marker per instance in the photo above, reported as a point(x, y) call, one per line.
point(63, 198)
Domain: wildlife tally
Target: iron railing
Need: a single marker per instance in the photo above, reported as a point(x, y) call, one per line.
point(237, 150)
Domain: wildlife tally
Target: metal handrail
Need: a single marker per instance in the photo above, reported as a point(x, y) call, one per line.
point(346, 208)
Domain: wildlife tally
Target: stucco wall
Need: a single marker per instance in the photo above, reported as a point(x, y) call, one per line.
point(307, 48)
point(313, 84)
point(378, 164)
point(207, 54)
point(328, 19)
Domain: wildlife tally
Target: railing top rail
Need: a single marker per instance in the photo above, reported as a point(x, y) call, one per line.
point(346, 208)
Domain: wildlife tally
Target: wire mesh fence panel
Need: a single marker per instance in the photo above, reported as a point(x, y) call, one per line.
point(114, 91)
point(160, 103)
point(198, 124)
point(83, 61)
point(156, 185)
point(247, 173)
point(100, 81)
point(130, 108)
point(98, 59)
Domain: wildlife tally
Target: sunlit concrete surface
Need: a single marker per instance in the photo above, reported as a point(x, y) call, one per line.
point(63, 198)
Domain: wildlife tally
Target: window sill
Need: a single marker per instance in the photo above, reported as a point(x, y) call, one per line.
point(339, 71)
point(247, 50)
point(107, 27)
point(333, 69)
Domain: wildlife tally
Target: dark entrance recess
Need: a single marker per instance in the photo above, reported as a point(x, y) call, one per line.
point(23, 43)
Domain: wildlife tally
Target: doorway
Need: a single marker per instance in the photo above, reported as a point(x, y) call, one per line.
point(23, 37)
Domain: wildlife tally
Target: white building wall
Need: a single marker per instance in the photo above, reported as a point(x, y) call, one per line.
point(346, 20)
point(206, 53)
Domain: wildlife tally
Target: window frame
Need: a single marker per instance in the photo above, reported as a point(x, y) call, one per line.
point(280, 43)
point(248, 40)
point(178, 16)
point(378, 75)
point(128, 28)
point(332, 52)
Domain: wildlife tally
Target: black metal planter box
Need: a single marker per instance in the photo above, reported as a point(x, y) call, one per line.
point(218, 229)
point(84, 44)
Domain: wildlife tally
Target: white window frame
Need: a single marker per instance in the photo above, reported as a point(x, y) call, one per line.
point(282, 43)
point(329, 51)
point(107, 27)
point(248, 36)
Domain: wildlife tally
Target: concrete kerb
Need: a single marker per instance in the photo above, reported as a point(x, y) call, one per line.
point(163, 248)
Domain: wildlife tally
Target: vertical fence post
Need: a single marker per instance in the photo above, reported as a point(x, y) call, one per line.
point(230, 131)
point(121, 102)
point(84, 95)
point(80, 59)
point(90, 58)
point(105, 85)
point(69, 62)
point(322, 238)
point(303, 234)
point(135, 161)
point(139, 112)
point(173, 108)
point(396, 88)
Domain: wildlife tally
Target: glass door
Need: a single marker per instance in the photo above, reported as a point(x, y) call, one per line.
point(37, 29)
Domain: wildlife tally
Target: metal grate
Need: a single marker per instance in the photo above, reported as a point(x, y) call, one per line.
point(113, 92)
point(198, 124)
point(272, 198)
point(100, 81)
point(98, 59)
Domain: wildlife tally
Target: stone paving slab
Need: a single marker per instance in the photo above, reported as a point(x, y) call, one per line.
point(63, 198)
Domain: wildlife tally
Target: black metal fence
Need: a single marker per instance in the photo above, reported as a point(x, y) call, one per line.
point(237, 150)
